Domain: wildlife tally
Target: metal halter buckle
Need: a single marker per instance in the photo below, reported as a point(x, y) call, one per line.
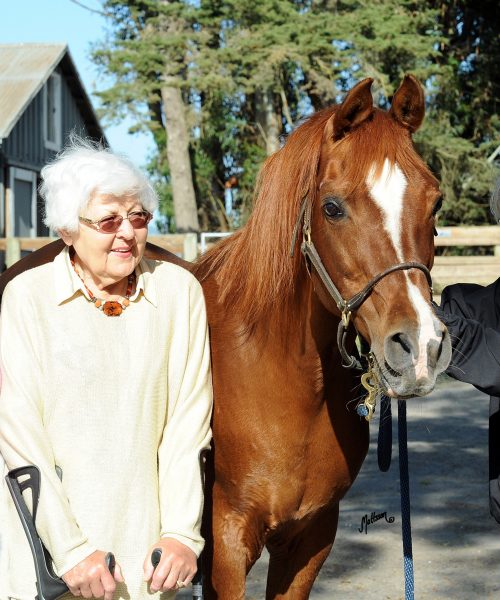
point(370, 381)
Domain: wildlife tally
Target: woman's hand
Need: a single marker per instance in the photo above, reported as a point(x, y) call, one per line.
point(91, 577)
point(177, 566)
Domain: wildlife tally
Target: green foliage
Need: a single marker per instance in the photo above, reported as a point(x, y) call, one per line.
point(466, 177)
point(462, 128)
point(304, 55)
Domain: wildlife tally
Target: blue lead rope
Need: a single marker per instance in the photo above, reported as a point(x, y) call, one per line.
point(405, 501)
point(384, 447)
point(384, 452)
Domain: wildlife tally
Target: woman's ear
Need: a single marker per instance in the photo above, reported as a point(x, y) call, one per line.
point(67, 237)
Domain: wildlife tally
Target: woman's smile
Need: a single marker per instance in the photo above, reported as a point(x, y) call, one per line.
point(122, 252)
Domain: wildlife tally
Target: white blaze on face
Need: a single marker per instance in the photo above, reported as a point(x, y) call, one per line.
point(426, 332)
point(387, 190)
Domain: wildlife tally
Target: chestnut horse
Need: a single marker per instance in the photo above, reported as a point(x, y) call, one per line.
point(288, 442)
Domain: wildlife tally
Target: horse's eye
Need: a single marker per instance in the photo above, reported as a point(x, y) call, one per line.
point(437, 206)
point(332, 207)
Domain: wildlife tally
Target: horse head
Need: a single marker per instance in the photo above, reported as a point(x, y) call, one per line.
point(372, 206)
point(351, 170)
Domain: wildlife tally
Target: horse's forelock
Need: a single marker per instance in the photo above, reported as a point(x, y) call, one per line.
point(378, 140)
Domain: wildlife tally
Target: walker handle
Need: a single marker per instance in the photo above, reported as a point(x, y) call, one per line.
point(197, 581)
point(48, 585)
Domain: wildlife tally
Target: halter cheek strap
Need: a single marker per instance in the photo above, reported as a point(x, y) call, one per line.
point(346, 307)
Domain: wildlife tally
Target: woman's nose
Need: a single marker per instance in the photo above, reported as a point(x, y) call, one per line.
point(125, 230)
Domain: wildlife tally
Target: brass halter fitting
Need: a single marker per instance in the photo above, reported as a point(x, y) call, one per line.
point(370, 381)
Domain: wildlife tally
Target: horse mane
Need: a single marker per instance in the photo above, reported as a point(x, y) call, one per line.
point(253, 268)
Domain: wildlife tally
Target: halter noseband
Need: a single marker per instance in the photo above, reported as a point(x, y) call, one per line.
point(346, 307)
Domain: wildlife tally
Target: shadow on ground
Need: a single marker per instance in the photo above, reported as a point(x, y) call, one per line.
point(456, 543)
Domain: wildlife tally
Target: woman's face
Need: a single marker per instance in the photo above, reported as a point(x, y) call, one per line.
point(108, 257)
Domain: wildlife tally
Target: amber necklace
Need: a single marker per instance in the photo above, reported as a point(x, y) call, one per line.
point(111, 308)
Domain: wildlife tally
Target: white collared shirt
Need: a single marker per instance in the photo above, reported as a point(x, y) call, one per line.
point(121, 404)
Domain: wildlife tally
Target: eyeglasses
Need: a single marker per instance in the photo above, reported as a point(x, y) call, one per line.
point(112, 224)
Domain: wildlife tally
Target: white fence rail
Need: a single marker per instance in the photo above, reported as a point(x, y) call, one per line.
point(447, 269)
point(184, 245)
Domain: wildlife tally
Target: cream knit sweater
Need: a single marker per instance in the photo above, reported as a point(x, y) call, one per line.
point(121, 404)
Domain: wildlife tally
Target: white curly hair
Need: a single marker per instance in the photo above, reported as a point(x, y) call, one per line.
point(85, 168)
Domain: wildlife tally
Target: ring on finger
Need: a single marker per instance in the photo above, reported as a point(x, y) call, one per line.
point(180, 584)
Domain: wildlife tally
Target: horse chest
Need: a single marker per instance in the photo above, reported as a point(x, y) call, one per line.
point(296, 485)
point(321, 479)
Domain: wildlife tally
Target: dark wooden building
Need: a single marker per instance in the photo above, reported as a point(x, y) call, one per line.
point(42, 100)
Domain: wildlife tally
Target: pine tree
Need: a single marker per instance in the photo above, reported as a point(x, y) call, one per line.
point(463, 127)
point(146, 54)
point(245, 74)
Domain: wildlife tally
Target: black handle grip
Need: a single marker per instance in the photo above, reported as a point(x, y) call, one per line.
point(156, 557)
point(48, 585)
point(111, 562)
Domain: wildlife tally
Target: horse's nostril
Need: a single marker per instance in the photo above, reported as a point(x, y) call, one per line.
point(399, 351)
point(440, 349)
point(402, 340)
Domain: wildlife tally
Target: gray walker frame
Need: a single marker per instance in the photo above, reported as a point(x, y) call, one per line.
point(49, 586)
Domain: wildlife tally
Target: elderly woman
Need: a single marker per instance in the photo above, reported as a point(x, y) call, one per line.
point(106, 379)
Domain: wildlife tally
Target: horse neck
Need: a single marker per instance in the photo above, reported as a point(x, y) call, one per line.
point(302, 324)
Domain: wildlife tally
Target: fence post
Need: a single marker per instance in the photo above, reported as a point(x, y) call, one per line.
point(497, 251)
point(190, 250)
point(12, 251)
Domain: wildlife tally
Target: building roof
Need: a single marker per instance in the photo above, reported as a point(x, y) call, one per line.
point(24, 68)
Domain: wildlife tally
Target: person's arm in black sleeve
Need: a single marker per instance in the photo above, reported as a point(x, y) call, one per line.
point(470, 313)
point(476, 353)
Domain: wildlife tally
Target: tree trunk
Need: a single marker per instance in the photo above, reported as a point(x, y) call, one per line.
point(176, 127)
point(267, 120)
point(186, 213)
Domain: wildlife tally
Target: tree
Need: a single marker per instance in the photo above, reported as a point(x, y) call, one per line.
point(463, 128)
point(237, 77)
point(146, 55)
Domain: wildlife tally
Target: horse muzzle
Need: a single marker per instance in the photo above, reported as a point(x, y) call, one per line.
point(410, 359)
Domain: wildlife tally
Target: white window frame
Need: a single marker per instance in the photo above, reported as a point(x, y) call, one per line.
point(205, 238)
point(57, 143)
point(22, 175)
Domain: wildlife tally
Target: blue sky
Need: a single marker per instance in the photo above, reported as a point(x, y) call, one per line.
point(63, 21)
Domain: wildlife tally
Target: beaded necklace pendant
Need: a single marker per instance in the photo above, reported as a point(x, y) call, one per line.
point(114, 308)
point(111, 308)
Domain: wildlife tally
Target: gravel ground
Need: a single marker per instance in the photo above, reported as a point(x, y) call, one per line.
point(456, 544)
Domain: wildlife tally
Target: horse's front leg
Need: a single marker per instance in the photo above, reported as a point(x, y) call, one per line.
point(296, 558)
point(234, 548)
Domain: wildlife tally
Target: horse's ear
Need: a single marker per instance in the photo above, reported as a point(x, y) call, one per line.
point(408, 104)
point(356, 108)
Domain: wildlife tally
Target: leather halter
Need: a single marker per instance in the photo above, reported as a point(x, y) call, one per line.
point(346, 307)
